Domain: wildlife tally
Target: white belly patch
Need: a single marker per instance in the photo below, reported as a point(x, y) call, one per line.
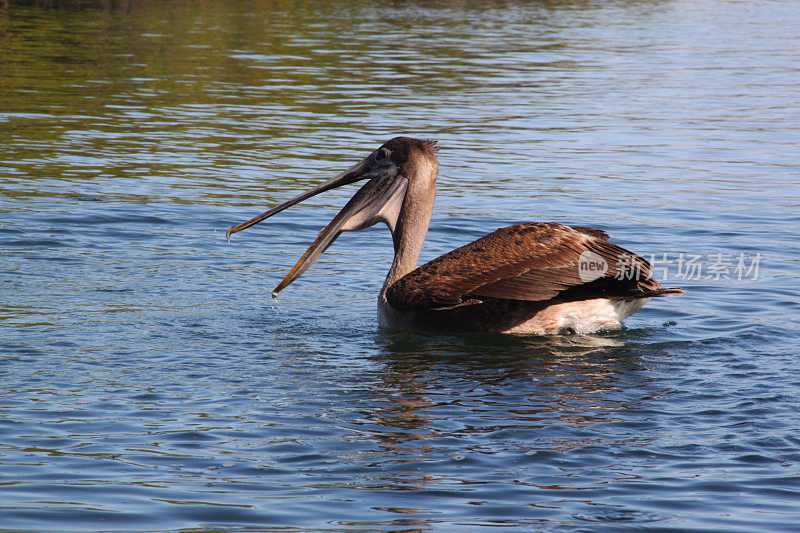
point(587, 316)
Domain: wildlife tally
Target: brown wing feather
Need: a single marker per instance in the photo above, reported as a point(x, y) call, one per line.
point(533, 262)
point(592, 231)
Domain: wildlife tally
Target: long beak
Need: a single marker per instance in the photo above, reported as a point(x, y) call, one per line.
point(351, 175)
point(379, 200)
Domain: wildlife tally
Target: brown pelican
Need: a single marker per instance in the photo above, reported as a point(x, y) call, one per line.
point(538, 278)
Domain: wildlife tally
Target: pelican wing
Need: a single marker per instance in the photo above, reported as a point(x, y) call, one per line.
point(531, 262)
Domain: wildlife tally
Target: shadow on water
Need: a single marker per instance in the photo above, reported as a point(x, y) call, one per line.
point(533, 380)
point(477, 417)
point(486, 351)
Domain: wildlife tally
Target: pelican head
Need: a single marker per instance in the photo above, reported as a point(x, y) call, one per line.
point(401, 169)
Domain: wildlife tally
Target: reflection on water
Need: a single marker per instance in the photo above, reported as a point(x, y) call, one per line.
point(566, 380)
point(149, 382)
